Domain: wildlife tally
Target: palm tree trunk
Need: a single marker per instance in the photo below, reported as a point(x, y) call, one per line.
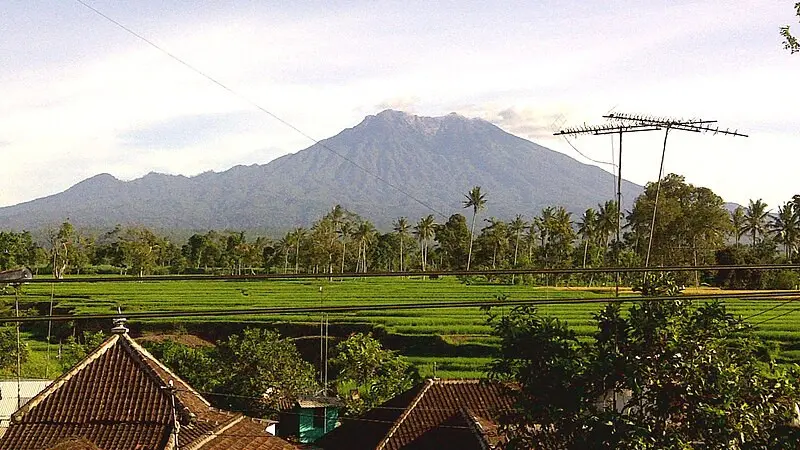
point(471, 238)
point(297, 257)
point(401, 253)
point(343, 253)
point(585, 251)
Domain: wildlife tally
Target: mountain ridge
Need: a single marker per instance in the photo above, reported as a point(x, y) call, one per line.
point(432, 160)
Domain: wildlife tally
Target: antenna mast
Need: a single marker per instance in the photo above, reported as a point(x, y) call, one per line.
point(668, 123)
point(620, 129)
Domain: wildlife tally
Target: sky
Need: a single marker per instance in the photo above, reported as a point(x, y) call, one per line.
point(82, 96)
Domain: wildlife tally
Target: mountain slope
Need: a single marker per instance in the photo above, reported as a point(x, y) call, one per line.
point(433, 161)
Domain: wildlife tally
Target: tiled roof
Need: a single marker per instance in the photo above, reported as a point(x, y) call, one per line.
point(247, 434)
point(441, 414)
point(116, 398)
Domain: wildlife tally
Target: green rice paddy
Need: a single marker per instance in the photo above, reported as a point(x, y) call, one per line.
point(453, 342)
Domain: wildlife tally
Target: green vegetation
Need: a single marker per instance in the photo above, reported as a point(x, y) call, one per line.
point(456, 340)
point(662, 376)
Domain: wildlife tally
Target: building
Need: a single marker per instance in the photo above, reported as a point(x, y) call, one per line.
point(440, 414)
point(14, 394)
point(308, 418)
point(121, 398)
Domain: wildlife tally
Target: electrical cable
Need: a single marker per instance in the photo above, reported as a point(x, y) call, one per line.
point(258, 106)
point(384, 307)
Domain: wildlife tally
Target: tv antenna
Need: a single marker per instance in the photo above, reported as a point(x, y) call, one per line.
point(620, 129)
point(667, 123)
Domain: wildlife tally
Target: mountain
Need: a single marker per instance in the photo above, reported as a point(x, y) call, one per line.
point(391, 164)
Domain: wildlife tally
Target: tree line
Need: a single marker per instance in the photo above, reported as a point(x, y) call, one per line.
point(691, 227)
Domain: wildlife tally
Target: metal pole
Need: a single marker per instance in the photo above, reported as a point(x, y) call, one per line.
point(655, 204)
point(19, 351)
point(49, 332)
point(619, 214)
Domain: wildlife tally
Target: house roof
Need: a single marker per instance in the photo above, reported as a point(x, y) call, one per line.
point(117, 398)
point(442, 414)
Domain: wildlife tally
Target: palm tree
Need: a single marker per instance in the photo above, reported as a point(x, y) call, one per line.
point(517, 226)
point(607, 221)
point(297, 235)
point(755, 218)
point(785, 226)
point(542, 225)
point(738, 223)
point(477, 201)
point(424, 231)
point(285, 244)
point(401, 228)
point(587, 228)
point(364, 234)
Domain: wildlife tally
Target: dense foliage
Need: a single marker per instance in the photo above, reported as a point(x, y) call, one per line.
point(8, 347)
point(251, 372)
point(374, 373)
point(662, 376)
point(692, 227)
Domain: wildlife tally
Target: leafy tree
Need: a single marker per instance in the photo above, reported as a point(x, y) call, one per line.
point(140, 249)
point(62, 242)
point(262, 368)
point(8, 347)
point(453, 239)
point(762, 253)
point(477, 201)
point(493, 241)
point(691, 222)
point(198, 366)
point(17, 249)
point(664, 376)
point(75, 349)
point(789, 41)
point(345, 233)
point(378, 374)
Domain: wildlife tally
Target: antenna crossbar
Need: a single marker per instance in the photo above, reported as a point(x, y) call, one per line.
point(693, 125)
point(606, 129)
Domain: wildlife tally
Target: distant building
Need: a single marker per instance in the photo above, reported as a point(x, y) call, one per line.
point(14, 395)
point(121, 398)
point(308, 418)
point(438, 414)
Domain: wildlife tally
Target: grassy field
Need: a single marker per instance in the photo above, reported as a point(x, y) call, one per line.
point(452, 342)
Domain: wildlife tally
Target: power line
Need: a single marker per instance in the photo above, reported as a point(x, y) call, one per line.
point(776, 317)
point(388, 307)
point(257, 106)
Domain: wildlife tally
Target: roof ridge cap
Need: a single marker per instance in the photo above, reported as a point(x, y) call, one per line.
point(214, 434)
point(475, 426)
point(61, 380)
point(428, 383)
point(143, 351)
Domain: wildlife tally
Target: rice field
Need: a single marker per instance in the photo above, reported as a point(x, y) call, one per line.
point(453, 342)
